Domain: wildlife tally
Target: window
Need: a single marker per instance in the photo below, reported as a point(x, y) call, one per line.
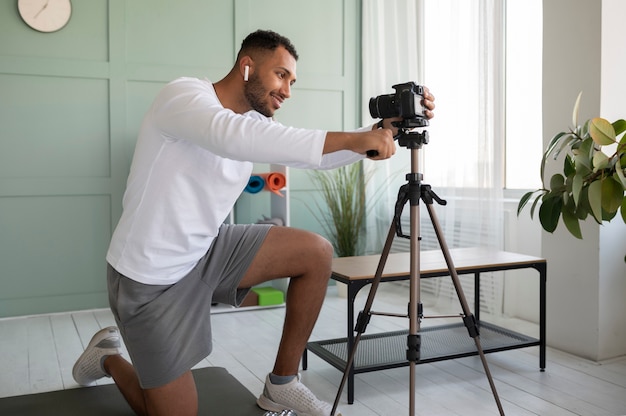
point(483, 62)
point(524, 145)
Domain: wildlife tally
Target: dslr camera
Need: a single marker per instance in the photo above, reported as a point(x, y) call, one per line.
point(406, 102)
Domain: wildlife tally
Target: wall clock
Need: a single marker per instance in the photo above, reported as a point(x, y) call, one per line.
point(45, 15)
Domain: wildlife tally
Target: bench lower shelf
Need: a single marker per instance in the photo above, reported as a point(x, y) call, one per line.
point(388, 350)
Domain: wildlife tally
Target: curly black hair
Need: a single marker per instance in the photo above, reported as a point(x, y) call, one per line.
point(267, 40)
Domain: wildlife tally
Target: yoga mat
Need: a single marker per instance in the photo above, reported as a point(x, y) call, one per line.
point(255, 184)
point(219, 394)
point(274, 182)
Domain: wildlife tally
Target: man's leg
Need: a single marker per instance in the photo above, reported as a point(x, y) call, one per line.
point(178, 397)
point(306, 258)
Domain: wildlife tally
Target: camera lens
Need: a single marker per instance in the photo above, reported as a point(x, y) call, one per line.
point(383, 106)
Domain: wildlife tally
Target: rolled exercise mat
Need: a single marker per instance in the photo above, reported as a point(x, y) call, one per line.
point(256, 184)
point(274, 182)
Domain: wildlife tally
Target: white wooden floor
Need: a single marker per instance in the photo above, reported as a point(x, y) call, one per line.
point(37, 354)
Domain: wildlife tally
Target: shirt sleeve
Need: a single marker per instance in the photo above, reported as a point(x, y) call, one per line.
point(342, 157)
point(188, 109)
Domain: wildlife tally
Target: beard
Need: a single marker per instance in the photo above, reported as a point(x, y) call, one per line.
point(255, 93)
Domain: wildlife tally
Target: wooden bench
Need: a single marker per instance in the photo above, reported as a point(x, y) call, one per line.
point(388, 350)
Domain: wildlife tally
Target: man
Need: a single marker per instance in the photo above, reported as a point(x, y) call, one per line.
point(171, 255)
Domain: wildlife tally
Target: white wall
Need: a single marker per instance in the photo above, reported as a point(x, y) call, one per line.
point(612, 288)
point(582, 41)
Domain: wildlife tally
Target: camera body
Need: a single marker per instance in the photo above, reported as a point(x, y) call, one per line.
point(406, 102)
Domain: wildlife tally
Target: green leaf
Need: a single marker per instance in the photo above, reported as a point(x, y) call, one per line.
point(600, 161)
point(595, 200)
point(601, 131)
point(568, 166)
point(623, 209)
point(523, 201)
point(582, 210)
point(608, 216)
point(584, 155)
point(577, 187)
point(619, 126)
point(555, 141)
point(584, 130)
point(612, 195)
point(576, 109)
point(571, 223)
point(619, 172)
point(532, 209)
point(557, 182)
point(570, 140)
point(549, 213)
point(567, 137)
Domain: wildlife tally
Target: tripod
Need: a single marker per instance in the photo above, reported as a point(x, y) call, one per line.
point(414, 191)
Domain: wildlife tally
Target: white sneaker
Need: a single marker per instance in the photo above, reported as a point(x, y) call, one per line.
point(89, 366)
point(294, 396)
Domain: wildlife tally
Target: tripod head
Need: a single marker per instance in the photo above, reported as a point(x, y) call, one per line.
point(407, 135)
point(411, 139)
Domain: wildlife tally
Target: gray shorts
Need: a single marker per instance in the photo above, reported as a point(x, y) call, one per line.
point(167, 329)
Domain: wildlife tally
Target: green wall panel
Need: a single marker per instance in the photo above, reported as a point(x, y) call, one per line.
point(52, 247)
point(58, 128)
point(305, 208)
point(193, 32)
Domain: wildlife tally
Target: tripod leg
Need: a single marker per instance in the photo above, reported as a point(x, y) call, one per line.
point(468, 319)
point(365, 314)
point(415, 305)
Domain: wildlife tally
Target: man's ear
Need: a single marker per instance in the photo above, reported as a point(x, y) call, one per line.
point(246, 67)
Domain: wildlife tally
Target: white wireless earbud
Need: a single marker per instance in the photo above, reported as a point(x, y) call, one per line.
point(246, 72)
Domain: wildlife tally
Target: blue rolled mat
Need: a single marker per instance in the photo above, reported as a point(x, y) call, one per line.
point(255, 184)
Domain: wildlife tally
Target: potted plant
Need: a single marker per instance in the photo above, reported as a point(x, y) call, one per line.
point(343, 220)
point(593, 179)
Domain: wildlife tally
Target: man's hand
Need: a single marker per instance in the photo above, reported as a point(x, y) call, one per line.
point(429, 103)
point(377, 144)
point(379, 141)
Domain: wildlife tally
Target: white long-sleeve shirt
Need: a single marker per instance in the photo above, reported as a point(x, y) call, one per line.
point(193, 159)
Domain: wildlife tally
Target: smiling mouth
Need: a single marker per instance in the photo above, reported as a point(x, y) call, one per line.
point(277, 100)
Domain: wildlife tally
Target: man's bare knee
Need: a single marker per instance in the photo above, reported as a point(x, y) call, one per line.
point(178, 397)
point(321, 253)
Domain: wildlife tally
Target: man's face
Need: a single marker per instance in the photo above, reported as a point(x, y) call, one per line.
point(270, 82)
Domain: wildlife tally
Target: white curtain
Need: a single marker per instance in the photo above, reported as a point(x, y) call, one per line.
point(391, 55)
point(455, 47)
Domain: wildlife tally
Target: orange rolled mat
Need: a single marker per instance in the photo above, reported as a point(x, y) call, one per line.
point(274, 181)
